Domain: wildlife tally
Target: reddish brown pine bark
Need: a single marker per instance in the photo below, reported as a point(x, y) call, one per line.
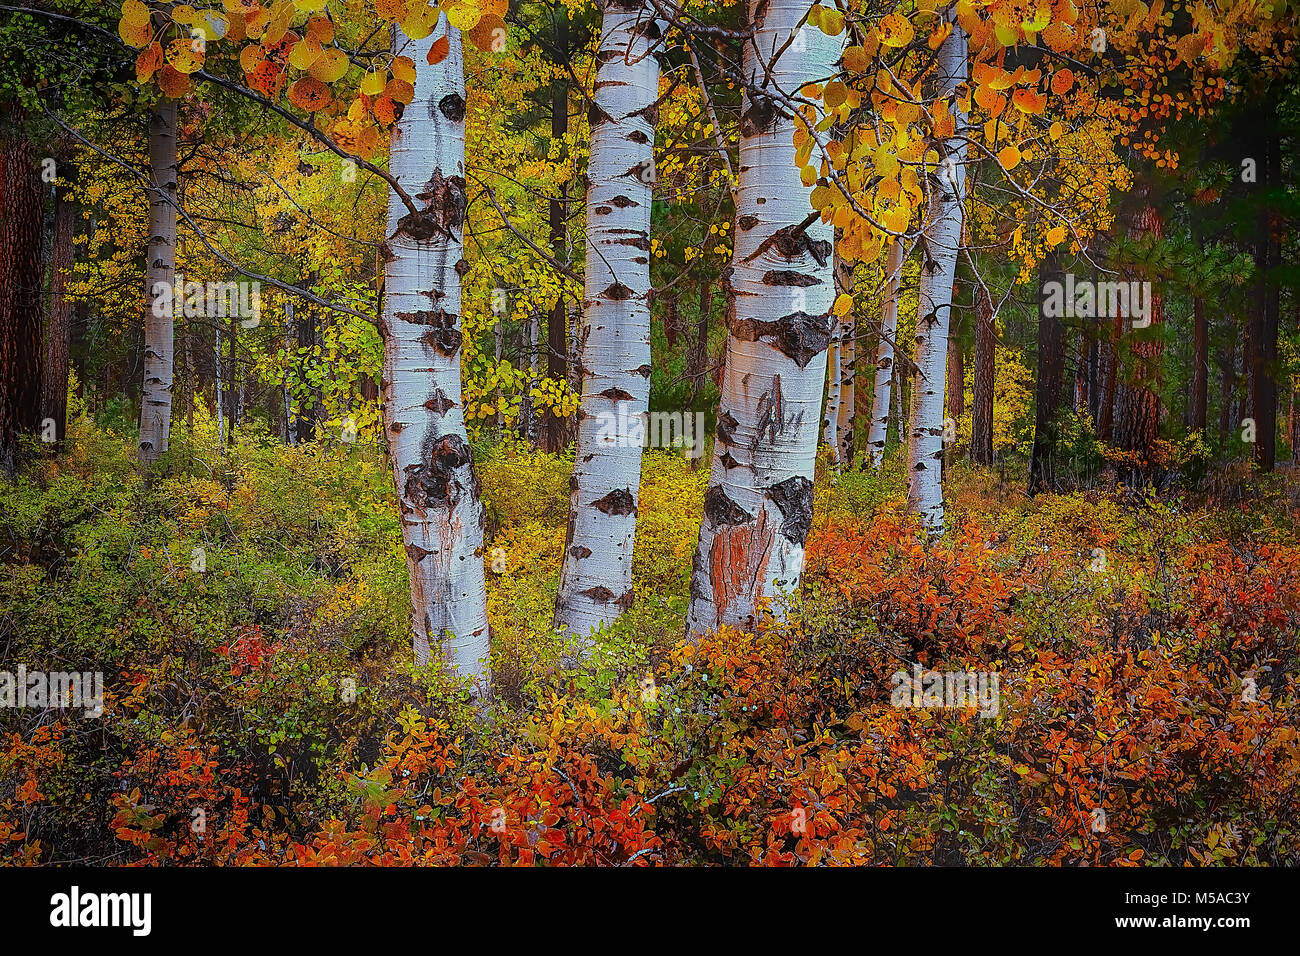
point(58, 337)
point(1137, 424)
point(20, 288)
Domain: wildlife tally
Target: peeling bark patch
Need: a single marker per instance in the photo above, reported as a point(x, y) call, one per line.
point(443, 335)
point(596, 116)
point(728, 462)
point(799, 336)
point(625, 601)
point(794, 498)
point(618, 292)
point(622, 202)
point(616, 394)
point(452, 106)
point(444, 209)
point(727, 426)
point(721, 510)
point(746, 223)
point(580, 552)
point(642, 370)
point(439, 404)
point(789, 277)
point(636, 242)
point(601, 595)
point(618, 502)
point(760, 116)
point(637, 136)
point(417, 553)
point(433, 483)
point(790, 243)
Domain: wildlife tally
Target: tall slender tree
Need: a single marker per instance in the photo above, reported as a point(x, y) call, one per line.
point(780, 290)
point(596, 577)
point(159, 283)
point(982, 385)
point(940, 244)
point(433, 468)
point(879, 434)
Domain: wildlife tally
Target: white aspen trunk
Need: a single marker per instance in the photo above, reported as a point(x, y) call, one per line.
point(940, 244)
point(219, 389)
point(879, 434)
point(596, 578)
point(780, 289)
point(498, 341)
point(433, 467)
point(159, 282)
point(846, 421)
point(831, 418)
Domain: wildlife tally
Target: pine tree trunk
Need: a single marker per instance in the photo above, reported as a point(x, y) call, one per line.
point(940, 245)
point(881, 405)
point(981, 444)
point(1200, 366)
point(596, 577)
point(21, 234)
point(58, 336)
point(1267, 304)
point(847, 419)
point(780, 289)
point(1137, 424)
point(159, 280)
point(1050, 383)
point(433, 467)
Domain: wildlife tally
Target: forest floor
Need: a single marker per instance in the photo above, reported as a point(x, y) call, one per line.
point(1137, 656)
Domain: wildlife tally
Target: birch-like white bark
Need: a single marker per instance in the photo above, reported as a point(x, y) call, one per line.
point(433, 468)
point(831, 418)
point(780, 289)
point(159, 283)
point(596, 577)
point(846, 421)
point(940, 245)
point(879, 433)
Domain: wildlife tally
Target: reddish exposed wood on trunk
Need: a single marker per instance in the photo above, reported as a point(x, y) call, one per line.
point(1138, 420)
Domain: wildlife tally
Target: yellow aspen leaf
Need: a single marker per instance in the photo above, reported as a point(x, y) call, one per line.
point(835, 94)
point(855, 60)
point(832, 22)
point(404, 69)
point(896, 30)
point(372, 84)
point(843, 303)
point(183, 56)
point(331, 65)
point(1009, 157)
point(310, 6)
point(1055, 236)
point(419, 20)
point(808, 175)
point(304, 53)
point(938, 35)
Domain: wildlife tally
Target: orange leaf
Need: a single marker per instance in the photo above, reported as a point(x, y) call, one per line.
point(439, 50)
